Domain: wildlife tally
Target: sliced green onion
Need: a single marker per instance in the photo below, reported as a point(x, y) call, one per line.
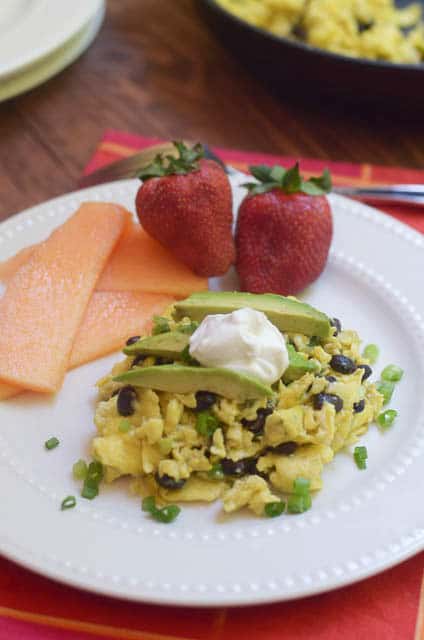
point(80, 470)
point(89, 492)
point(274, 509)
point(160, 325)
point(216, 473)
point(148, 504)
point(301, 486)
point(314, 341)
point(187, 358)
point(206, 423)
point(124, 425)
point(95, 471)
point(360, 455)
point(371, 353)
point(386, 419)
point(51, 443)
point(92, 480)
point(299, 504)
point(386, 388)
point(68, 503)
point(166, 514)
point(361, 452)
point(392, 373)
point(188, 328)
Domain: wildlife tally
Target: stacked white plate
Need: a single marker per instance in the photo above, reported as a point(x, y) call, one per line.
point(39, 38)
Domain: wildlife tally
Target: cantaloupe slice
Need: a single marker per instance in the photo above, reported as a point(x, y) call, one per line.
point(111, 318)
point(10, 266)
point(46, 299)
point(8, 391)
point(140, 263)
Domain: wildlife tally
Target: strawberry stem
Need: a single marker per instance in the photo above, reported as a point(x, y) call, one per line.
point(288, 180)
point(185, 162)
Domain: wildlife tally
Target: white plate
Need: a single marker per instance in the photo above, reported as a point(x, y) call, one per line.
point(49, 66)
point(361, 522)
point(33, 29)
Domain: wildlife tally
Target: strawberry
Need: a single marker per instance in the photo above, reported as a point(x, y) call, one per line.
point(185, 203)
point(284, 231)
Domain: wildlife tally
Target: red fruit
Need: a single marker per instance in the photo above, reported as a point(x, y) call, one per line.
point(186, 204)
point(282, 239)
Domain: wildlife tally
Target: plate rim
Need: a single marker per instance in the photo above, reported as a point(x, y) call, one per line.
point(72, 18)
point(49, 66)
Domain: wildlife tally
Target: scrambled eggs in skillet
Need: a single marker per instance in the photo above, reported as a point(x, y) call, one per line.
point(374, 29)
point(257, 449)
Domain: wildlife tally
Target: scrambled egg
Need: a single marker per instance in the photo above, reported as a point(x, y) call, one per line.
point(243, 467)
point(373, 29)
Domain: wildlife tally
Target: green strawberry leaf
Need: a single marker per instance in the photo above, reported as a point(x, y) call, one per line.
point(288, 180)
point(261, 172)
point(255, 188)
point(185, 162)
point(324, 182)
point(292, 181)
point(278, 173)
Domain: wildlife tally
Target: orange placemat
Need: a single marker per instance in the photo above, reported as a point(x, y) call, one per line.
point(388, 606)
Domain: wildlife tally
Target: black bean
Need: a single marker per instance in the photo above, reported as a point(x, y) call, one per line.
point(160, 361)
point(137, 360)
point(257, 425)
point(251, 469)
point(331, 378)
point(285, 448)
point(367, 371)
point(358, 407)
point(342, 364)
point(232, 468)
point(132, 340)
point(335, 322)
point(125, 401)
point(204, 400)
point(167, 482)
point(320, 398)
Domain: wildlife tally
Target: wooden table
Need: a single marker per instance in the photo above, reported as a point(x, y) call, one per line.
point(157, 70)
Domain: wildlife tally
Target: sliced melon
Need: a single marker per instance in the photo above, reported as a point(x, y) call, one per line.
point(46, 299)
point(140, 263)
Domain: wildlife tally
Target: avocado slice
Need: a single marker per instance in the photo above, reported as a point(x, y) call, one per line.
point(286, 314)
point(181, 379)
point(299, 365)
point(171, 344)
point(165, 345)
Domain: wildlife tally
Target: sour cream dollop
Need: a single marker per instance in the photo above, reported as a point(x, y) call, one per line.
point(244, 341)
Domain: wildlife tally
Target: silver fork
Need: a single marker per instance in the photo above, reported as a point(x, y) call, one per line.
point(411, 194)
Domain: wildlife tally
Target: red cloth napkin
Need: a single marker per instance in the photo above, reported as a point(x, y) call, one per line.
point(388, 606)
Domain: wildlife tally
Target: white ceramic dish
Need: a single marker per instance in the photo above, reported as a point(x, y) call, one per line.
point(49, 66)
point(361, 523)
point(33, 29)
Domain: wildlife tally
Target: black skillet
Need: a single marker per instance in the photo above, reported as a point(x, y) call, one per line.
point(295, 68)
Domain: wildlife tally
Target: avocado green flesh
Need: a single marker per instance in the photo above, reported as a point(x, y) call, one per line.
point(165, 345)
point(171, 344)
point(299, 365)
point(182, 379)
point(286, 314)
